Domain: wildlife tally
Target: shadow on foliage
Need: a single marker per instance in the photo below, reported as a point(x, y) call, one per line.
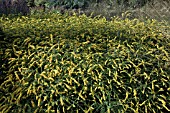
point(2, 50)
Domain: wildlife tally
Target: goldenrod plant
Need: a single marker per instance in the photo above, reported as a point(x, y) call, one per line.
point(61, 63)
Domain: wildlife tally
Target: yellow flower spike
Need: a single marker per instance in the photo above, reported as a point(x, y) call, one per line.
point(45, 98)
point(104, 97)
point(51, 37)
point(67, 86)
point(162, 101)
point(101, 67)
point(80, 95)
point(75, 81)
point(49, 109)
point(32, 103)
point(39, 102)
point(127, 93)
point(61, 100)
point(134, 94)
point(153, 87)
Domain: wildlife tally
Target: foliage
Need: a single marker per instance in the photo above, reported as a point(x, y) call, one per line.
point(13, 7)
point(53, 3)
point(85, 3)
point(61, 63)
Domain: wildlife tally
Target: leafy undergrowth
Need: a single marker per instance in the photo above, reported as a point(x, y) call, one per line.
point(61, 63)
